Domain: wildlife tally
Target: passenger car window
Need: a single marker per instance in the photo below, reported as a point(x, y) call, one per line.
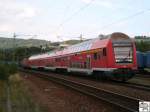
point(95, 56)
point(104, 52)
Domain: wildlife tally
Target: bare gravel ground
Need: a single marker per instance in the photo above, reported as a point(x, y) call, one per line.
point(141, 80)
point(56, 98)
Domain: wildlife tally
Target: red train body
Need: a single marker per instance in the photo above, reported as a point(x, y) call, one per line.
point(113, 56)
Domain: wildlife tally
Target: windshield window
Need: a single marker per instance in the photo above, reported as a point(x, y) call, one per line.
point(123, 54)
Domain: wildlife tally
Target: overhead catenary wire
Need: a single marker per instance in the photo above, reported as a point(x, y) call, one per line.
point(75, 13)
point(67, 8)
point(72, 16)
point(107, 25)
point(123, 19)
point(63, 17)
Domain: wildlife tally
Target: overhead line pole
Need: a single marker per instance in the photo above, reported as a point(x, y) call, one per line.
point(14, 46)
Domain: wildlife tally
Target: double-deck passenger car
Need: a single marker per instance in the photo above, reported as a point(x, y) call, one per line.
point(112, 56)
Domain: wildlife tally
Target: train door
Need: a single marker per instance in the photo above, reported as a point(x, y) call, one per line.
point(104, 60)
point(88, 61)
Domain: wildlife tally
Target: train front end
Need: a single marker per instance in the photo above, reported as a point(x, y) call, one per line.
point(124, 57)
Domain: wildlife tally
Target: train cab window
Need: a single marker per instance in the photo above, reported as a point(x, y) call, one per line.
point(95, 56)
point(104, 52)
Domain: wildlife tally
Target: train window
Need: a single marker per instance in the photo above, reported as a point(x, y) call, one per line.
point(56, 59)
point(104, 52)
point(63, 59)
point(84, 64)
point(99, 55)
point(95, 56)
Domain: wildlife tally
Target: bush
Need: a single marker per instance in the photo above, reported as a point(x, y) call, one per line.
point(12, 68)
point(6, 70)
point(3, 72)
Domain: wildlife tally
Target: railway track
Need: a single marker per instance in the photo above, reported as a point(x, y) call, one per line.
point(126, 103)
point(125, 84)
point(143, 76)
point(136, 86)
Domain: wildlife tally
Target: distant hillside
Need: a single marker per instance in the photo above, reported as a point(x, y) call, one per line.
point(10, 42)
point(71, 42)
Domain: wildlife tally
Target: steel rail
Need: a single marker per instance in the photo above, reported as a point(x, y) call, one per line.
point(127, 103)
point(137, 86)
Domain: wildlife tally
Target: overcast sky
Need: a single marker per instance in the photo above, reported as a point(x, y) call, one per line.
point(67, 19)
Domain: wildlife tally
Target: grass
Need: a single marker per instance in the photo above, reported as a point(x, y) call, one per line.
point(20, 98)
point(2, 96)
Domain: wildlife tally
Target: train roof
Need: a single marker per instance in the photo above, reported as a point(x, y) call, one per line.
point(99, 42)
point(84, 46)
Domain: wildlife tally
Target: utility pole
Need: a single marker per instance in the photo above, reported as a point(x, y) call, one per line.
point(14, 36)
point(81, 38)
point(14, 46)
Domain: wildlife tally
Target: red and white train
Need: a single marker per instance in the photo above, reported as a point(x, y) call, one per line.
point(113, 56)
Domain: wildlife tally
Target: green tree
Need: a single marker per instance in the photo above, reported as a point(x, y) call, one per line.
point(143, 46)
